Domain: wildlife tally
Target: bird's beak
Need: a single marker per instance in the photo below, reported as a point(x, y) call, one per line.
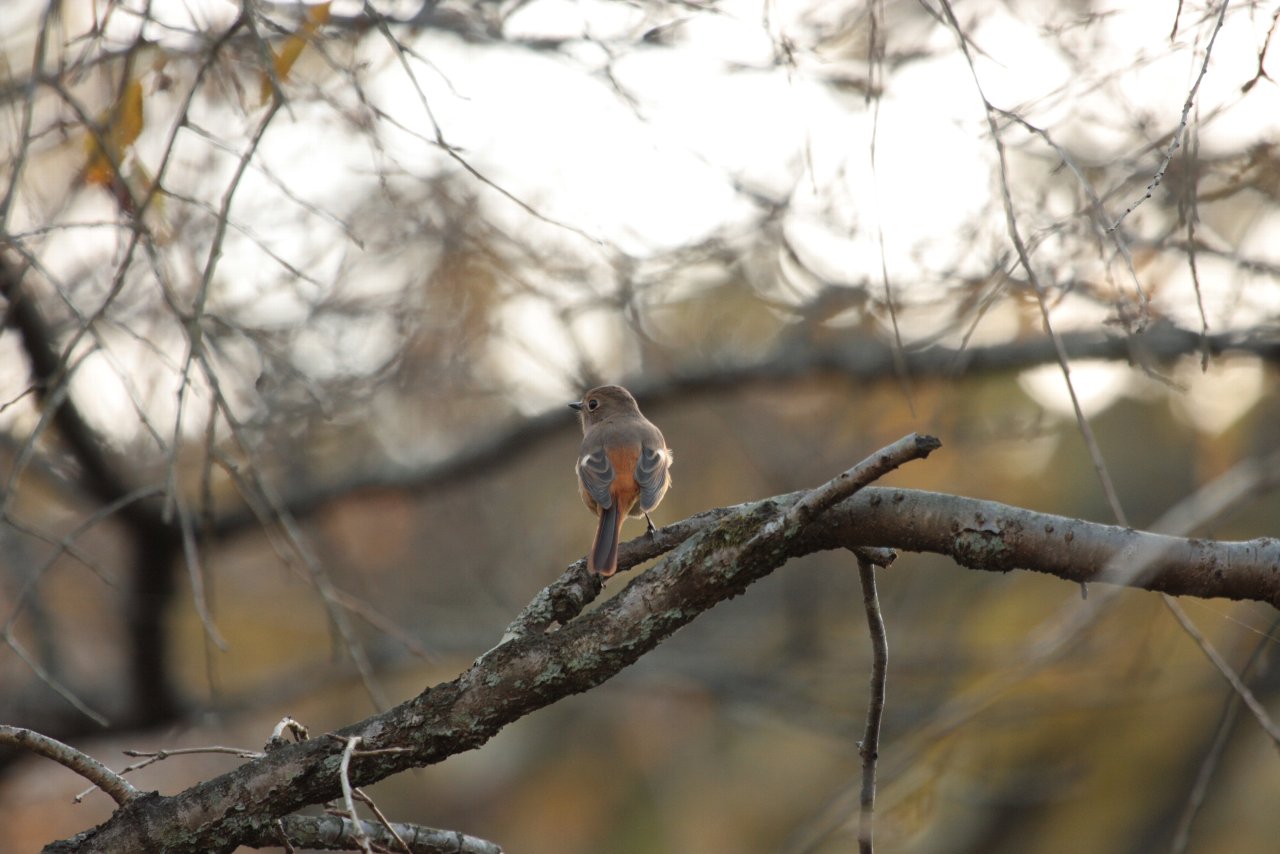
point(577, 404)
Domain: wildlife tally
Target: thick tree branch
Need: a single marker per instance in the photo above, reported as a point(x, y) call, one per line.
point(860, 360)
point(503, 685)
point(153, 541)
point(337, 833)
point(992, 536)
point(102, 478)
point(723, 553)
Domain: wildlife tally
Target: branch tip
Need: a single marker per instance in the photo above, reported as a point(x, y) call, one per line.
point(120, 789)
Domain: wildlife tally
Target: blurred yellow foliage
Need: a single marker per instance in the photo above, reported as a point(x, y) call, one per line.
point(120, 127)
point(317, 16)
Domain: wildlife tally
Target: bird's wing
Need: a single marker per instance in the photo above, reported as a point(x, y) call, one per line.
point(652, 476)
point(596, 473)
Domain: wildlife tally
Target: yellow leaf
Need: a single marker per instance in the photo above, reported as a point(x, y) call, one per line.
point(283, 61)
point(120, 126)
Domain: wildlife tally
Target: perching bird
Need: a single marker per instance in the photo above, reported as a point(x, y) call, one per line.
point(622, 468)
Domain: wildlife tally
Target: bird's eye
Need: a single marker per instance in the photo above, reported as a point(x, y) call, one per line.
point(592, 403)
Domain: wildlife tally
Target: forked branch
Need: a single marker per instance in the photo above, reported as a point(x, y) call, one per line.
point(708, 559)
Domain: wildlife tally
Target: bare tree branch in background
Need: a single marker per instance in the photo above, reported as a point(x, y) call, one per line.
point(266, 266)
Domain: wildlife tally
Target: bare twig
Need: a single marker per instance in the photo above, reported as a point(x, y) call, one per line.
point(1191, 156)
point(869, 749)
point(296, 548)
point(875, 76)
point(816, 502)
point(1261, 73)
point(28, 112)
point(64, 546)
point(1182, 123)
point(449, 149)
point(153, 756)
point(48, 679)
point(281, 835)
point(382, 819)
point(1228, 673)
point(120, 789)
point(344, 776)
point(288, 724)
point(859, 360)
point(1099, 219)
point(196, 573)
point(1221, 735)
point(159, 755)
point(1024, 259)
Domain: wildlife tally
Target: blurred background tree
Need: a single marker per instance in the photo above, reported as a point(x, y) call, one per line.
point(295, 294)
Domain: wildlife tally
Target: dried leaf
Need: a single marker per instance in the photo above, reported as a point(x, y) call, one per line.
point(283, 61)
point(120, 127)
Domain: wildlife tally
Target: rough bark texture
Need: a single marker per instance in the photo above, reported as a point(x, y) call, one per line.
point(714, 557)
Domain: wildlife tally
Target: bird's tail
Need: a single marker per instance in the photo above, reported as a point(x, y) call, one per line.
point(603, 559)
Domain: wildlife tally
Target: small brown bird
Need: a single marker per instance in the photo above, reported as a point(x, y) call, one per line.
point(622, 468)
